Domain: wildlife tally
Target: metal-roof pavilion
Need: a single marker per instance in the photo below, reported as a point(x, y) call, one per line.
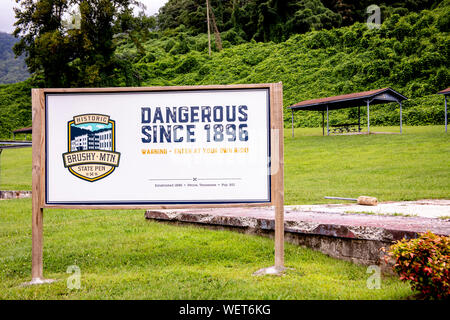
point(22, 130)
point(445, 92)
point(358, 99)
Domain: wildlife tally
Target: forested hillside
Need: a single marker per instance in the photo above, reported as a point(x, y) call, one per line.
point(409, 53)
point(277, 20)
point(11, 70)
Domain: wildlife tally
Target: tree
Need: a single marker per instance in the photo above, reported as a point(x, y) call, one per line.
point(39, 26)
point(81, 56)
point(311, 15)
point(211, 19)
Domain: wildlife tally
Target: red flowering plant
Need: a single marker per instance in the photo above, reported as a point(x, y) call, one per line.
point(425, 262)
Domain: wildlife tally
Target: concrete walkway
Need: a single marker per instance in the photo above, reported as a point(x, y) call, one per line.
point(429, 208)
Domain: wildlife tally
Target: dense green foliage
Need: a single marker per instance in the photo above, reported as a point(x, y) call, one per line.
point(277, 20)
point(11, 69)
point(15, 107)
point(408, 53)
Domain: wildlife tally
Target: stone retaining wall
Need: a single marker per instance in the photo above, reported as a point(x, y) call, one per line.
point(15, 194)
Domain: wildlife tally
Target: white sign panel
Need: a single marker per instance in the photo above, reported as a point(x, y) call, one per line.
point(167, 147)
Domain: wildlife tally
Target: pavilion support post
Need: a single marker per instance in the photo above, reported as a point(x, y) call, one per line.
point(359, 119)
point(323, 123)
point(328, 127)
point(368, 117)
point(445, 101)
point(1, 173)
point(292, 110)
point(209, 29)
point(400, 103)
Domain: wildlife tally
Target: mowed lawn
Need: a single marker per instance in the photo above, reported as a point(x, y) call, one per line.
point(15, 169)
point(120, 255)
point(411, 166)
point(392, 167)
point(123, 256)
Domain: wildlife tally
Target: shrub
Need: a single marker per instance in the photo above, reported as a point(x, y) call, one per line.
point(187, 64)
point(233, 37)
point(425, 262)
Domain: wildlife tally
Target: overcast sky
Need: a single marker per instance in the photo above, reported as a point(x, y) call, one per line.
point(7, 12)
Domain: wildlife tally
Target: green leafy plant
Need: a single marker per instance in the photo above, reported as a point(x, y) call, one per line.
point(315, 64)
point(425, 262)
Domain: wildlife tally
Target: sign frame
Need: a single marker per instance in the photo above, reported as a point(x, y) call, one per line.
point(39, 164)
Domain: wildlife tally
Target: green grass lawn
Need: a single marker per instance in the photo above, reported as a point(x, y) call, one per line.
point(411, 166)
point(123, 256)
point(15, 169)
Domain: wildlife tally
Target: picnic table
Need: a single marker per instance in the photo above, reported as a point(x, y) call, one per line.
point(345, 127)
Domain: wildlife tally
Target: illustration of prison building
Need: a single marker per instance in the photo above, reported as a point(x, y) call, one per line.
point(98, 140)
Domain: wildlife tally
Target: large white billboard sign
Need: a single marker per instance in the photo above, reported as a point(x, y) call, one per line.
point(157, 147)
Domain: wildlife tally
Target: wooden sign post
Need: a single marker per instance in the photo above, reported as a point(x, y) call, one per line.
point(119, 147)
